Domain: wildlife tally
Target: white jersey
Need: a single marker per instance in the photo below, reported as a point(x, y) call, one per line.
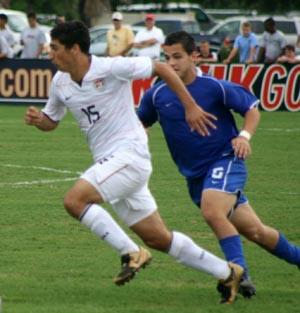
point(103, 104)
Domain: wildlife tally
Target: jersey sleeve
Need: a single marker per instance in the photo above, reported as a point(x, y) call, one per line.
point(132, 68)
point(146, 111)
point(54, 108)
point(238, 98)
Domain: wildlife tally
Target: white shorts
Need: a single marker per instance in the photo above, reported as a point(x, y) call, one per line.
point(122, 180)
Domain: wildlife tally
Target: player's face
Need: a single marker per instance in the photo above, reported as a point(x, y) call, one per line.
point(181, 62)
point(61, 56)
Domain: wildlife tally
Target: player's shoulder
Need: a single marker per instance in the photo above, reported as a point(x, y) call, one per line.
point(61, 78)
point(209, 81)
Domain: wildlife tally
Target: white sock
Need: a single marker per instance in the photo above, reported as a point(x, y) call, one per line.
point(188, 253)
point(102, 224)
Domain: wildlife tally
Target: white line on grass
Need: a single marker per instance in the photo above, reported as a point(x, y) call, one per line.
point(287, 130)
point(37, 182)
point(40, 181)
point(48, 169)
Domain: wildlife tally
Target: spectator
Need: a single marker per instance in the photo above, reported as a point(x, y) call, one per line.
point(225, 50)
point(272, 43)
point(149, 40)
point(33, 39)
point(5, 49)
point(289, 55)
point(244, 44)
point(120, 38)
point(5, 31)
point(205, 55)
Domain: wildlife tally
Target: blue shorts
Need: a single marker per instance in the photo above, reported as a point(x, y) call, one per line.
point(228, 174)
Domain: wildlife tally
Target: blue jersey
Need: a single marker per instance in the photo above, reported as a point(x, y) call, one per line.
point(193, 153)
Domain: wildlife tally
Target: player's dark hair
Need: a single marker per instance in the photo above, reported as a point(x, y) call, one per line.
point(71, 33)
point(183, 38)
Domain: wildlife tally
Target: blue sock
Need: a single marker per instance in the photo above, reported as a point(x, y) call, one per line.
point(287, 251)
point(233, 251)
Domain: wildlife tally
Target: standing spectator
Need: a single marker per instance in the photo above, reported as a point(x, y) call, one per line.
point(272, 43)
point(5, 49)
point(205, 55)
point(289, 55)
point(149, 40)
point(33, 39)
point(244, 44)
point(5, 31)
point(120, 38)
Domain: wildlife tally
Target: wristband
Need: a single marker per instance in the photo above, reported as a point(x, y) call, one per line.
point(245, 134)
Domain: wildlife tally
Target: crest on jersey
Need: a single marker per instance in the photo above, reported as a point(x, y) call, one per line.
point(98, 83)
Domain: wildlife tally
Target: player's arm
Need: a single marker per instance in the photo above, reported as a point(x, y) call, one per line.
point(196, 117)
point(241, 144)
point(35, 117)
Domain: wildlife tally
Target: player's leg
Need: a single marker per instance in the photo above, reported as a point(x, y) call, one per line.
point(249, 224)
point(217, 193)
point(81, 201)
point(215, 208)
point(181, 247)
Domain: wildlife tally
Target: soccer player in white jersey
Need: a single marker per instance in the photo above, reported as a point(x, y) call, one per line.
point(98, 93)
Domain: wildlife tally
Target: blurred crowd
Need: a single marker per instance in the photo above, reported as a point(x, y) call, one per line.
point(245, 48)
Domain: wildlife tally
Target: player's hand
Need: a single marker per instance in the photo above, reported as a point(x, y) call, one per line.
point(241, 147)
point(33, 116)
point(200, 121)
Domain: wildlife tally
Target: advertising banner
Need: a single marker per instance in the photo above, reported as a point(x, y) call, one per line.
point(276, 85)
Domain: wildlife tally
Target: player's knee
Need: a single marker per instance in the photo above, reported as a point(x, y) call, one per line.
point(256, 234)
point(159, 242)
point(72, 204)
point(208, 214)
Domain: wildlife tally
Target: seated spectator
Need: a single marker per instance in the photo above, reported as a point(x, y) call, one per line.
point(225, 50)
point(244, 44)
point(204, 54)
point(289, 55)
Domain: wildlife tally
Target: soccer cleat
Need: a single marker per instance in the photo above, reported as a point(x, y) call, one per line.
point(247, 288)
point(130, 264)
point(229, 288)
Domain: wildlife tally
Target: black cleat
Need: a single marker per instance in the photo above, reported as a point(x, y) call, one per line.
point(247, 288)
point(229, 288)
point(130, 264)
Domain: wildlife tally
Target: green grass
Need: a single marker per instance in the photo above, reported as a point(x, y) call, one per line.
point(49, 263)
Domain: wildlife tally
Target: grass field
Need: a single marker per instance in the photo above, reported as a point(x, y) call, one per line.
point(49, 263)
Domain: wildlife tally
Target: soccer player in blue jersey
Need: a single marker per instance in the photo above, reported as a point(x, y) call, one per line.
point(214, 165)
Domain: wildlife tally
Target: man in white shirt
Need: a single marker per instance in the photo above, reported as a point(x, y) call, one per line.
point(5, 31)
point(33, 39)
point(272, 43)
point(5, 49)
point(98, 93)
point(148, 41)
